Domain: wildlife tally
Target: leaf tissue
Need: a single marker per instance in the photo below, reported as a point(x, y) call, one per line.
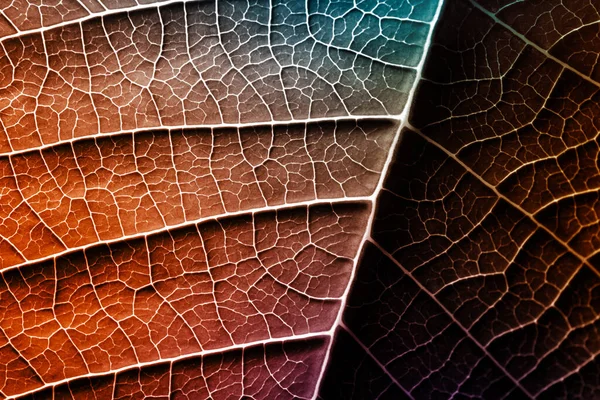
point(320, 199)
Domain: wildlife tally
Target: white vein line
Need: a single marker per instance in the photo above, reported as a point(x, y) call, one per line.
point(280, 72)
point(27, 202)
point(186, 224)
point(228, 55)
point(208, 127)
point(374, 196)
point(101, 14)
point(172, 360)
point(527, 41)
point(8, 20)
point(354, 52)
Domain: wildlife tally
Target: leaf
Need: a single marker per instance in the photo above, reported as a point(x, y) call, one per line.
point(186, 187)
point(321, 199)
point(480, 279)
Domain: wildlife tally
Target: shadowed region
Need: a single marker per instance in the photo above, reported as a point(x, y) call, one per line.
point(484, 238)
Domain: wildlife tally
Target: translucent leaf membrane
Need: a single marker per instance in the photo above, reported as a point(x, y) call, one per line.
point(195, 63)
point(186, 187)
point(73, 195)
point(25, 15)
point(232, 281)
point(480, 279)
point(224, 200)
point(270, 371)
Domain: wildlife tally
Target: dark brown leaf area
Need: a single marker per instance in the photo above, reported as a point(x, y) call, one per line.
point(482, 277)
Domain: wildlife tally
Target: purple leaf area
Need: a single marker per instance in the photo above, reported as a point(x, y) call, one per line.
point(272, 199)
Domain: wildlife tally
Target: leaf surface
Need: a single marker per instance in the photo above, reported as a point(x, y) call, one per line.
point(480, 279)
point(187, 187)
point(321, 199)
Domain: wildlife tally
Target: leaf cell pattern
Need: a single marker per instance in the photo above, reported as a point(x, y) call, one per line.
point(480, 277)
point(329, 199)
point(186, 187)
